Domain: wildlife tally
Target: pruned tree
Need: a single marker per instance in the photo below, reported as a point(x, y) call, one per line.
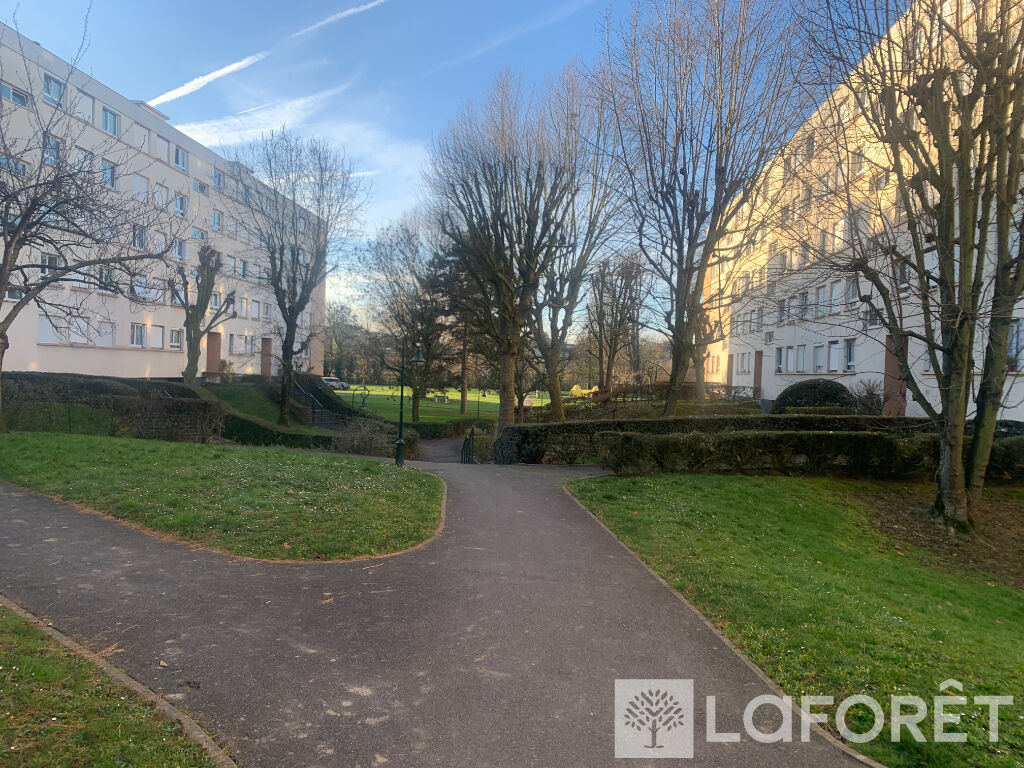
point(192, 288)
point(704, 95)
point(617, 293)
point(299, 199)
point(405, 286)
point(580, 124)
point(501, 190)
point(927, 128)
point(65, 218)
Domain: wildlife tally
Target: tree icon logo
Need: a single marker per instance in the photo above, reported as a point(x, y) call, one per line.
point(654, 711)
point(654, 718)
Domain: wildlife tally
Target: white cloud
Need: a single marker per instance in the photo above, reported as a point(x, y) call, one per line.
point(336, 17)
point(203, 80)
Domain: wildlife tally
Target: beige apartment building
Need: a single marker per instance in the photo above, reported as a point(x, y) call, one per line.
point(141, 335)
point(788, 313)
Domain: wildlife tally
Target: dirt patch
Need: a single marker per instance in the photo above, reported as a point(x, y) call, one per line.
point(993, 549)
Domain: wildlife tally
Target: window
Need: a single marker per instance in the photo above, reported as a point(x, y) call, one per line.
point(200, 187)
point(140, 187)
point(255, 310)
point(180, 159)
point(198, 234)
point(833, 355)
point(852, 292)
point(243, 268)
point(108, 174)
point(13, 95)
point(857, 164)
point(809, 148)
point(51, 150)
point(806, 198)
point(218, 180)
point(760, 318)
point(835, 296)
point(53, 91)
point(138, 335)
point(163, 149)
point(789, 359)
point(160, 196)
point(105, 278)
point(1015, 345)
point(178, 249)
point(851, 354)
point(879, 181)
point(266, 311)
point(819, 357)
point(231, 343)
point(47, 263)
point(779, 351)
point(105, 334)
point(139, 238)
point(111, 122)
point(242, 307)
point(216, 221)
point(805, 255)
point(801, 358)
point(782, 312)
point(180, 204)
point(156, 337)
point(47, 334)
point(174, 341)
point(215, 301)
point(16, 167)
point(803, 305)
point(873, 318)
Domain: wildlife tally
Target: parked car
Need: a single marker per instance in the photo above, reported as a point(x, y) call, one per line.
point(335, 383)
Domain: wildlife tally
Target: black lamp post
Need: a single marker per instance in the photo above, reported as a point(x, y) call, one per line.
point(417, 359)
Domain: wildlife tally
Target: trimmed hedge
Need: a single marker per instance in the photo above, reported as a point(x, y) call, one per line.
point(814, 393)
point(441, 430)
point(718, 408)
point(570, 441)
point(821, 410)
point(874, 454)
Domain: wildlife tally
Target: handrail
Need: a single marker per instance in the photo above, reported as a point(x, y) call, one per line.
point(468, 447)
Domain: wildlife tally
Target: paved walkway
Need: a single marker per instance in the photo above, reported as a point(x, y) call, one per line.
point(497, 644)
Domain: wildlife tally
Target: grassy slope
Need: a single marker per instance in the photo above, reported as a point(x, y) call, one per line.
point(60, 711)
point(793, 573)
point(251, 401)
point(248, 501)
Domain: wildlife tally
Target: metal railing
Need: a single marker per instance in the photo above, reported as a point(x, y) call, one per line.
point(468, 447)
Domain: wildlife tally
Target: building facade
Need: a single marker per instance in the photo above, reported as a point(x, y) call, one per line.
point(787, 309)
point(140, 333)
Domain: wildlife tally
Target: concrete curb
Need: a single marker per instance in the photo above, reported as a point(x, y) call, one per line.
point(772, 685)
point(147, 695)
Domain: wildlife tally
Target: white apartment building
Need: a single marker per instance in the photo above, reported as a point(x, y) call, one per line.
point(790, 314)
point(142, 335)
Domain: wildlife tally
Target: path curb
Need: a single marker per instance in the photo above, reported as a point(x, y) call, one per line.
point(147, 695)
point(761, 674)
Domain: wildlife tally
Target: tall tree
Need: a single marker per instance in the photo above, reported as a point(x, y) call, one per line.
point(65, 219)
point(580, 124)
point(617, 292)
point(502, 193)
point(407, 289)
point(341, 341)
point(704, 95)
point(931, 100)
point(299, 200)
point(191, 288)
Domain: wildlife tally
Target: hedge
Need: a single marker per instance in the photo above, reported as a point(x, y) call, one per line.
point(441, 430)
point(874, 454)
point(570, 441)
point(814, 393)
point(820, 410)
point(718, 408)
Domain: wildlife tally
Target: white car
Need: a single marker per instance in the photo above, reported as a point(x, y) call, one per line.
point(335, 383)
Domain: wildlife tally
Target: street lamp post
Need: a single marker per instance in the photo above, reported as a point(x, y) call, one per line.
point(417, 359)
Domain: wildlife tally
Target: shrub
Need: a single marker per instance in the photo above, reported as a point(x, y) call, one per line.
point(874, 454)
point(820, 410)
point(535, 443)
point(372, 437)
point(1006, 462)
point(447, 429)
point(717, 408)
point(816, 393)
point(483, 447)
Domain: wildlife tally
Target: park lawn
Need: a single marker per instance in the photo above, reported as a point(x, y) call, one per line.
point(258, 502)
point(252, 401)
point(792, 570)
point(382, 401)
point(58, 710)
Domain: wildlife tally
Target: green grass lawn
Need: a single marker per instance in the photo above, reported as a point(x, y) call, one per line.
point(794, 572)
point(60, 711)
point(383, 401)
point(259, 502)
point(253, 401)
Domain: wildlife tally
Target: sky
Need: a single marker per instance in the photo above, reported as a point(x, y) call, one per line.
point(379, 78)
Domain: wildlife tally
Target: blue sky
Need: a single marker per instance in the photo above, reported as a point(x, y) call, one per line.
point(379, 77)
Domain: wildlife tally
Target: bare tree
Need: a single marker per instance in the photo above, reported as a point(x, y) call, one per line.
point(704, 96)
point(191, 288)
point(502, 192)
point(408, 291)
point(930, 102)
point(581, 125)
point(617, 292)
point(66, 219)
point(299, 200)
point(341, 341)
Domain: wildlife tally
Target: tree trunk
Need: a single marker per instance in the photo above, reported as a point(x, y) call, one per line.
point(3, 351)
point(507, 388)
point(287, 354)
point(951, 498)
point(699, 393)
point(681, 354)
point(464, 373)
point(555, 391)
point(521, 407)
point(416, 396)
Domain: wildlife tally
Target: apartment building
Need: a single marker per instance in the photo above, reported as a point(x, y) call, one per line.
point(140, 154)
point(788, 311)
